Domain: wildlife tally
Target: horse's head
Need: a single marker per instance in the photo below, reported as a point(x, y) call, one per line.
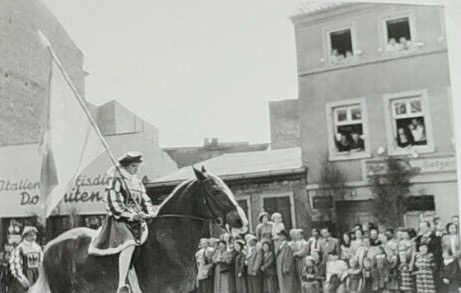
point(218, 200)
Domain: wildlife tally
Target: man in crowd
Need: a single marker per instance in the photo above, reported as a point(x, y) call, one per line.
point(328, 244)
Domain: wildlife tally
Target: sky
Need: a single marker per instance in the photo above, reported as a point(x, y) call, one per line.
point(193, 68)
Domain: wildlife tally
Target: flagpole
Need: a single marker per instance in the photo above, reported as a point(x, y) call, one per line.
point(80, 100)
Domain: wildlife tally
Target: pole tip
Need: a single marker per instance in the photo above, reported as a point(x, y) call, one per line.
point(43, 39)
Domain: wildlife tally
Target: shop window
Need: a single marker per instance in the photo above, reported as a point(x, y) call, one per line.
point(410, 123)
point(348, 129)
point(399, 36)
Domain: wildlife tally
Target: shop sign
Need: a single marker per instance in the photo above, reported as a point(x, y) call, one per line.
point(423, 165)
point(322, 202)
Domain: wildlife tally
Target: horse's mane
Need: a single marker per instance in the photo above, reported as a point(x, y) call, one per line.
point(178, 190)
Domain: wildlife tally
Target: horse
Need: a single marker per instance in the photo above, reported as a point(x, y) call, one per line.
point(164, 263)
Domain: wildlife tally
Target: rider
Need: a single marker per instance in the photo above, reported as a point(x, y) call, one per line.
point(127, 206)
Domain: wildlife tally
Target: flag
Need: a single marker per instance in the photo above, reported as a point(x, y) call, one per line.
point(69, 141)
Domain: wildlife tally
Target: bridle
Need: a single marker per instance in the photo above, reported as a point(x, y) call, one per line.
point(209, 202)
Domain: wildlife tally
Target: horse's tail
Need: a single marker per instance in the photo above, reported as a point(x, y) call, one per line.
point(41, 286)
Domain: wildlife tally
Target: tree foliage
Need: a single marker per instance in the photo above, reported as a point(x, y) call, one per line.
point(391, 191)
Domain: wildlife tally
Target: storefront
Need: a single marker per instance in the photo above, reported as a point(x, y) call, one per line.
point(433, 193)
point(84, 202)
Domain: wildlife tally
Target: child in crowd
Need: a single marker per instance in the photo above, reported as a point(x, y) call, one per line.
point(367, 280)
point(407, 283)
point(393, 271)
point(424, 274)
point(309, 279)
point(380, 271)
point(354, 277)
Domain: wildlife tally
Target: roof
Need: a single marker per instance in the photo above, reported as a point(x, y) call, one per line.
point(244, 165)
point(308, 7)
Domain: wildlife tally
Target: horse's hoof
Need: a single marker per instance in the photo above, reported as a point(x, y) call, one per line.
point(124, 289)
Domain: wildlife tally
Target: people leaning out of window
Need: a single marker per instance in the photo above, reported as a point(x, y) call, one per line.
point(403, 44)
point(349, 142)
point(413, 134)
point(338, 58)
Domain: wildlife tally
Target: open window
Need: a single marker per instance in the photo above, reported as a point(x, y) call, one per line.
point(348, 130)
point(409, 121)
point(341, 45)
point(399, 33)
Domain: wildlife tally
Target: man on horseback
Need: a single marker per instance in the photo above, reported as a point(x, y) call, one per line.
point(125, 227)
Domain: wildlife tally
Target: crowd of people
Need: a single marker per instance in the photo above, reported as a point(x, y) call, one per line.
point(364, 259)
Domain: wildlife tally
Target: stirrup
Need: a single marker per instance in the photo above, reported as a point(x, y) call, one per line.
point(124, 289)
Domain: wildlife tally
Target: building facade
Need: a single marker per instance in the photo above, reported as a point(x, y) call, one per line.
point(272, 181)
point(374, 82)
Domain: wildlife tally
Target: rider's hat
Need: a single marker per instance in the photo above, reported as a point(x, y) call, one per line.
point(28, 230)
point(130, 158)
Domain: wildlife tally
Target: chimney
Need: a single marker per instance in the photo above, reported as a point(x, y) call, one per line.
point(214, 142)
point(206, 142)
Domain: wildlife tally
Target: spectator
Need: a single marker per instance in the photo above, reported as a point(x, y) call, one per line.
point(424, 274)
point(240, 273)
point(264, 228)
point(222, 277)
point(451, 246)
point(335, 273)
point(354, 277)
point(404, 137)
point(393, 271)
point(357, 144)
point(407, 283)
point(254, 260)
point(374, 240)
point(343, 142)
point(345, 247)
point(358, 241)
point(393, 46)
point(328, 244)
point(269, 269)
point(367, 280)
point(455, 220)
point(418, 132)
point(313, 242)
point(300, 250)
point(310, 277)
point(405, 44)
point(286, 275)
point(204, 265)
point(276, 228)
point(26, 260)
point(379, 271)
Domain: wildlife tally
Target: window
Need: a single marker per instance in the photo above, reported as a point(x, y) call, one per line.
point(399, 33)
point(348, 130)
point(282, 204)
point(340, 44)
point(409, 123)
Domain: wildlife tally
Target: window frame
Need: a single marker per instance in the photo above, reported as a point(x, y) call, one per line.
point(389, 16)
point(327, 41)
point(247, 198)
point(330, 107)
point(292, 203)
point(392, 148)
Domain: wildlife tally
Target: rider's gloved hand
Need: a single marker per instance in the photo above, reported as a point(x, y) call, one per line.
point(137, 217)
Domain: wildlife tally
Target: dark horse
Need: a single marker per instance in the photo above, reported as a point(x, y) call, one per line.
point(165, 263)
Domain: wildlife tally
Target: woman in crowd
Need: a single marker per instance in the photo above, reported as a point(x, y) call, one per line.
point(354, 277)
point(424, 270)
point(300, 250)
point(222, 277)
point(346, 250)
point(264, 228)
point(309, 277)
point(253, 261)
point(240, 273)
point(26, 261)
point(451, 270)
point(288, 281)
point(358, 241)
point(204, 261)
point(269, 269)
point(336, 269)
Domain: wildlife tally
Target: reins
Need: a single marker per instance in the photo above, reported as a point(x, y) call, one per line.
point(206, 199)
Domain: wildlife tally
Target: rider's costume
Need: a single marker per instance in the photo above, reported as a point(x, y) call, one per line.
point(119, 230)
